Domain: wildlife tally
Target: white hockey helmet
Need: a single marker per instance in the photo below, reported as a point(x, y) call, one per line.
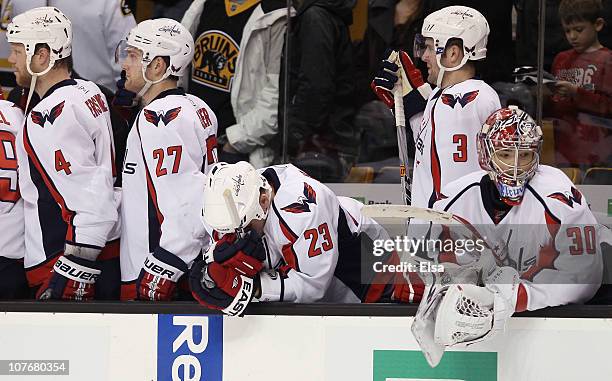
point(512, 130)
point(456, 22)
point(245, 184)
point(159, 38)
point(43, 25)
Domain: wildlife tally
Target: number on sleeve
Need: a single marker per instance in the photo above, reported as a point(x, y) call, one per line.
point(9, 191)
point(582, 245)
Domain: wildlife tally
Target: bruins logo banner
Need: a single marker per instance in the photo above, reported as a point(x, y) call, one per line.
point(214, 61)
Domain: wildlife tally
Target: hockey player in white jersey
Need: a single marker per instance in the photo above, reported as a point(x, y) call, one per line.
point(445, 120)
point(306, 240)
point(65, 157)
point(543, 240)
point(170, 148)
point(13, 283)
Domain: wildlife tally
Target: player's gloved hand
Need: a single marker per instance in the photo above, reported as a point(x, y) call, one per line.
point(74, 275)
point(245, 255)
point(159, 276)
point(398, 69)
point(123, 97)
point(408, 288)
point(221, 288)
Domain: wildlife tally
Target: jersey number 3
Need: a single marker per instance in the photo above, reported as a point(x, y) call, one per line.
point(8, 162)
point(461, 155)
point(313, 236)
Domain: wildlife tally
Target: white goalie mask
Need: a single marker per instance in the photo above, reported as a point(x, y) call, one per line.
point(245, 185)
point(159, 38)
point(43, 25)
point(454, 22)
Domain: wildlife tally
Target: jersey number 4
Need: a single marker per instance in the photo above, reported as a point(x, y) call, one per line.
point(8, 162)
point(313, 236)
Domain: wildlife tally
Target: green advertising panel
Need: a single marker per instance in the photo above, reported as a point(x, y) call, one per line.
point(400, 365)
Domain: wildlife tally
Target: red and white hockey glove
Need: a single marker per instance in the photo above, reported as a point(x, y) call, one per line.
point(73, 277)
point(245, 254)
point(399, 70)
point(221, 288)
point(159, 276)
point(408, 288)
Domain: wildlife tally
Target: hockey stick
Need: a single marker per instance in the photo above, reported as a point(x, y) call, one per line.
point(400, 123)
point(231, 207)
point(407, 212)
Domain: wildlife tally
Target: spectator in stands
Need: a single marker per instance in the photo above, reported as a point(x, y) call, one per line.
point(582, 99)
point(322, 106)
point(235, 69)
point(171, 9)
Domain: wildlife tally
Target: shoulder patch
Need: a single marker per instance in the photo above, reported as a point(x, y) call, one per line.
point(166, 117)
point(302, 205)
point(568, 198)
point(40, 118)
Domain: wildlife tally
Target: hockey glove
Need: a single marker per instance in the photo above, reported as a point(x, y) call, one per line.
point(73, 277)
point(221, 288)
point(159, 276)
point(245, 255)
point(123, 97)
point(415, 91)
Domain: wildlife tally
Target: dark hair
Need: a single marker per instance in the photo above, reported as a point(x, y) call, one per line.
point(167, 61)
point(66, 61)
point(580, 10)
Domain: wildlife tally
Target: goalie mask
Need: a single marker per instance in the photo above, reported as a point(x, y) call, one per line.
point(158, 38)
point(454, 22)
point(43, 25)
point(245, 185)
point(509, 145)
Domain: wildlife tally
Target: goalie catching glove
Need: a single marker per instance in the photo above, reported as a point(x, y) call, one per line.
point(221, 288)
point(415, 91)
point(159, 276)
point(74, 275)
point(455, 310)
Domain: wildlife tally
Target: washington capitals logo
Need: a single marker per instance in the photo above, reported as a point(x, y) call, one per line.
point(154, 117)
point(568, 198)
point(302, 204)
point(47, 116)
point(451, 100)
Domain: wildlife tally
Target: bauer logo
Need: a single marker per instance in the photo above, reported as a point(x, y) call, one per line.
point(189, 348)
point(214, 61)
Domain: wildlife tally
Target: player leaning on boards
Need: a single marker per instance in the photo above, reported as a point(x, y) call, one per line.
point(65, 157)
point(304, 238)
point(544, 240)
point(169, 150)
point(444, 124)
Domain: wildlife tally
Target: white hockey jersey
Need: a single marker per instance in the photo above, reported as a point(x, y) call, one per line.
point(11, 205)
point(551, 238)
point(312, 240)
point(445, 139)
point(65, 154)
point(170, 149)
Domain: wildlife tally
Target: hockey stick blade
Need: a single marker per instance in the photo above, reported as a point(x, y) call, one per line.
point(407, 212)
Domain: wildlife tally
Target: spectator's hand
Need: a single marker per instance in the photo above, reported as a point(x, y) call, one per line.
point(415, 91)
point(566, 89)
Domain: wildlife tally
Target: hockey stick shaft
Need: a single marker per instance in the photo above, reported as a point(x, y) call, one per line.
point(400, 123)
point(231, 207)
